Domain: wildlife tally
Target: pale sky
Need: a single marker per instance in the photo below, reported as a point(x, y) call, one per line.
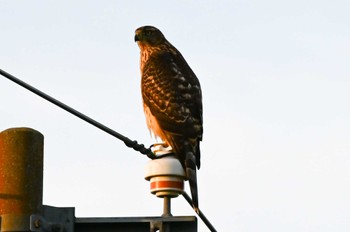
point(275, 77)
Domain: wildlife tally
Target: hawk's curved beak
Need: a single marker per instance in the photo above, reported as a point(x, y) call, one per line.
point(136, 38)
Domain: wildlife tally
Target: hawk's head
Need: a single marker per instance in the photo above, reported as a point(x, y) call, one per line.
point(149, 36)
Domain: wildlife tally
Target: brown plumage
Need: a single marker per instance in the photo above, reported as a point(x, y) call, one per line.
point(172, 100)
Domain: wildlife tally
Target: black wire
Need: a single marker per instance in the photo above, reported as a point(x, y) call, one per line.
point(128, 142)
point(199, 213)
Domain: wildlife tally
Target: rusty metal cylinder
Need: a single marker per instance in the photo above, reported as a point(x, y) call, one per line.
point(21, 177)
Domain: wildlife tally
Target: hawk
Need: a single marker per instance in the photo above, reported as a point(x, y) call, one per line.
point(172, 100)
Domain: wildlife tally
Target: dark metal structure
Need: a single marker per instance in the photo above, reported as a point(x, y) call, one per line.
point(62, 219)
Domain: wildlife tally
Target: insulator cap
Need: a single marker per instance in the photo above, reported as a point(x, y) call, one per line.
point(166, 175)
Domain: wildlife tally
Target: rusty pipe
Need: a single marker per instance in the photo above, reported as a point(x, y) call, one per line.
point(21, 177)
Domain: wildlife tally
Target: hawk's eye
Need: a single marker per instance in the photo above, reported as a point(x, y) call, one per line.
point(148, 33)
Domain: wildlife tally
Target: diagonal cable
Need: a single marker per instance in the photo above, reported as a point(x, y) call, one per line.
point(199, 213)
point(128, 142)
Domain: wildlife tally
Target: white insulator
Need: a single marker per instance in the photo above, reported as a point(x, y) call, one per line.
point(166, 176)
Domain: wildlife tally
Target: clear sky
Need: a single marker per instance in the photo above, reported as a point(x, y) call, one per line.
point(275, 77)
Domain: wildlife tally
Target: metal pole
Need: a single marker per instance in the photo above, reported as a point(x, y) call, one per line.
point(166, 213)
point(21, 177)
point(166, 207)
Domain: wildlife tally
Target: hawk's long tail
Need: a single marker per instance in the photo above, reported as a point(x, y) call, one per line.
point(191, 172)
point(192, 178)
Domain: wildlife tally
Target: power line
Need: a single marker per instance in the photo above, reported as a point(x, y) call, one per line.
point(128, 142)
point(199, 213)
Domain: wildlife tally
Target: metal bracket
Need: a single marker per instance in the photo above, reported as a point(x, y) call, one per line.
point(160, 226)
point(53, 219)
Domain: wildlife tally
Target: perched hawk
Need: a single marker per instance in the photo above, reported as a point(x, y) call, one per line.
point(172, 100)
